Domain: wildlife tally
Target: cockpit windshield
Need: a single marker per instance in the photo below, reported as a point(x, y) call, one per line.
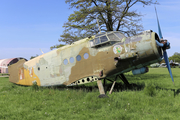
point(106, 38)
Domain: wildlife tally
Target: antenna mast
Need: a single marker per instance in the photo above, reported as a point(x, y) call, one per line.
point(41, 51)
point(98, 25)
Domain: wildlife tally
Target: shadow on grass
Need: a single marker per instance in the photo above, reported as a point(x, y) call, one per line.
point(4, 76)
point(176, 92)
point(153, 77)
point(117, 88)
point(147, 76)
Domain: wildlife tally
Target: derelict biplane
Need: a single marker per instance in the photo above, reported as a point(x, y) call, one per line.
point(92, 59)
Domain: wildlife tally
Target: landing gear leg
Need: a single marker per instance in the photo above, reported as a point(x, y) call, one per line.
point(123, 78)
point(101, 89)
point(112, 87)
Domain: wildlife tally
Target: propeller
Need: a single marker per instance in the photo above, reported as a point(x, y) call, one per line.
point(165, 46)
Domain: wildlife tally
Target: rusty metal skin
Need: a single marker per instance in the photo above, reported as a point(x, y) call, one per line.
point(84, 61)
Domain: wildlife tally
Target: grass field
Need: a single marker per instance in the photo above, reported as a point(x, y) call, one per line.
point(153, 97)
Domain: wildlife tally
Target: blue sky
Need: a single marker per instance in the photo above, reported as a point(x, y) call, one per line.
point(26, 26)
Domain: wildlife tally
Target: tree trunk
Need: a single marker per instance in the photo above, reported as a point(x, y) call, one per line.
point(109, 24)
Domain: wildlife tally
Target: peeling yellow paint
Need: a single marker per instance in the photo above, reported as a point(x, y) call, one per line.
point(29, 79)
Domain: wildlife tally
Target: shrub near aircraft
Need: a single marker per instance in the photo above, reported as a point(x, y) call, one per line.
point(91, 59)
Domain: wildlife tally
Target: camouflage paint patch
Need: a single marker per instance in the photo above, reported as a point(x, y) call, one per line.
point(117, 49)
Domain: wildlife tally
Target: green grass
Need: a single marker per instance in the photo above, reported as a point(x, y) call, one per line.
point(153, 97)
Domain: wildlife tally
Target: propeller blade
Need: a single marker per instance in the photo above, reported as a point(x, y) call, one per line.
point(159, 29)
point(168, 65)
point(164, 50)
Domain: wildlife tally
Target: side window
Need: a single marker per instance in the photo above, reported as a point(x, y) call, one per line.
point(71, 60)
point(86, 55)
point(103, 39)
point(78, 58)
point(91, 43)
point(65, 61)
point(96, 41)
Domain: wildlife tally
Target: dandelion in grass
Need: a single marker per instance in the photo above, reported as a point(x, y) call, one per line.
point(46, 113)
point(125, 109)
point(128, 103)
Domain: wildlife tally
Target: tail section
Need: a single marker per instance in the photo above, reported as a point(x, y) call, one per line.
point(22, 76)
point(14, 71)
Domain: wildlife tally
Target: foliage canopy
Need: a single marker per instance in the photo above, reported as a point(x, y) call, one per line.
point(113, 15)
point(175, 57)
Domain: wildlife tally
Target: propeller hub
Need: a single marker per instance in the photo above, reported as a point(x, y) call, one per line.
point(164, 44)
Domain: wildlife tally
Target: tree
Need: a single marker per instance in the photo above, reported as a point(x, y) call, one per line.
point(175, 57)
point(176, 53)
point(56, 46)
point(113, 15)
point(34, 56)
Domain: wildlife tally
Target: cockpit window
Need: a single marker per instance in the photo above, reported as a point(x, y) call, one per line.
point(108, 38)
point(103, 39)
point(100, 34)
point(113, 37)
point(96, 41)
point(91, 42)
point(120, 36)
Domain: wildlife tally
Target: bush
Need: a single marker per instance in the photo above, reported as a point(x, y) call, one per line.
point(35, 86)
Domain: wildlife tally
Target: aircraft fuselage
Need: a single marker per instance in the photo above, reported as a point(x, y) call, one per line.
point(88, 60)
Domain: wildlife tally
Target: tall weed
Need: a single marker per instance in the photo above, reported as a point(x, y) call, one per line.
point(150, 90)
